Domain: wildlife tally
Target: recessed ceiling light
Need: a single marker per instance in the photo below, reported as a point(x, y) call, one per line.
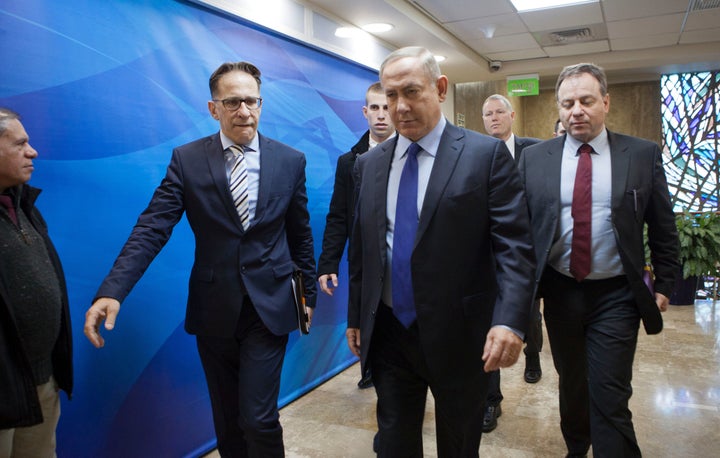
point(439, 59)
point(348, 32)
point(530, 5)
point(377, 27)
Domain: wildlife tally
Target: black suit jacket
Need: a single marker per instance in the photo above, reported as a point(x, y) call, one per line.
point(338, 223)
point(473, 262)
point(639, 195)
point(229, 261)
point(521, 143)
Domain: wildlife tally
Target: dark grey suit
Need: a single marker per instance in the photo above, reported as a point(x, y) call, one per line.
point(592, 325)
point(472, 268)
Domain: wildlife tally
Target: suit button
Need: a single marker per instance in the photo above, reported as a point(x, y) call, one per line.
point(242, 269)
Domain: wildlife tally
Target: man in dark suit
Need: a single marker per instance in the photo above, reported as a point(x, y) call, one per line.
point(342, 204)
point(240, 304)
point(498, 117)
point(590, 263)
point(443, 282)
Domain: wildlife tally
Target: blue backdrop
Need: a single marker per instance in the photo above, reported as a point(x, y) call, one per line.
point(106, 89)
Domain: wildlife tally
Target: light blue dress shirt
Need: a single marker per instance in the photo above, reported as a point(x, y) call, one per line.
point(252, 164)
point(426, 158)
point(606, 261)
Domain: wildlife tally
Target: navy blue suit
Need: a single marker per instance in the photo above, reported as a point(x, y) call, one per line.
point(472, 268)
point(239, 288)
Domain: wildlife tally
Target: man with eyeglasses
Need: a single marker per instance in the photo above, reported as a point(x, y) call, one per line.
point(248, 244)
point(342, 204)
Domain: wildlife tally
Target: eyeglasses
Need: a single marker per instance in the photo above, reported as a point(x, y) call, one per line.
point(233, 103)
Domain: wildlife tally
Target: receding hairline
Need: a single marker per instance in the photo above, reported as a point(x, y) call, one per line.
point(7, 115)
point(426, 58)
point(501, 98)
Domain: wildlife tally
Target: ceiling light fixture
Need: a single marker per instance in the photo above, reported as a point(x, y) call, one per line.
point(378, 27)
point(439, 59)
point(532, 5)
point(348, 32)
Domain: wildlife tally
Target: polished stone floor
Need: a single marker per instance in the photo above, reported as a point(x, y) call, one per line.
point(676, 402)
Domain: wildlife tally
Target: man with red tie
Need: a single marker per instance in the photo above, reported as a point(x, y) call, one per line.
point(590, 193)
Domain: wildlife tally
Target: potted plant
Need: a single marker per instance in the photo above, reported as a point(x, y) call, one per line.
point(699, 234)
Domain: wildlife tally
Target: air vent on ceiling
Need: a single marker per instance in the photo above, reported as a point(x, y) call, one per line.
point(592, 32)
point(702, 5)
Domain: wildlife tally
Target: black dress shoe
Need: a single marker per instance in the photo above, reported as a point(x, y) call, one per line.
point(532, 375)
point(365, 382)
point(490, 419)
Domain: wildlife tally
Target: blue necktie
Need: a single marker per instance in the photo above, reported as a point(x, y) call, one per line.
point(406, 223)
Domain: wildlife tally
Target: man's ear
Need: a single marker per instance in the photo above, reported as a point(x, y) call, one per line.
point(213, 110)
point(442, 87)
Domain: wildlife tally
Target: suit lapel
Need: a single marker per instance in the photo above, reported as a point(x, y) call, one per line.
point(216, 162)
point(446, 158)
point(620, 165)
point(552, 165)
point(267, 173)
point(381, 175)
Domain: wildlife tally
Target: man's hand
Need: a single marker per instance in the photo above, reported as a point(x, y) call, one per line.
point(502, 348)
point(326, 287)
point(310, 312)
point(662, 301)
point(105, 308)
point(353, 340)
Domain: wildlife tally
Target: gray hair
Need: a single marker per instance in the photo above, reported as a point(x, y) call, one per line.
point(6, 115)
point(430, 65)
point(501, 98)
point(578, 69)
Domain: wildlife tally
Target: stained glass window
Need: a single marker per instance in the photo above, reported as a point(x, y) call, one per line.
point(691, 127)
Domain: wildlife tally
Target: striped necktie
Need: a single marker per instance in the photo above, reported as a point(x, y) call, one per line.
point(239, 185)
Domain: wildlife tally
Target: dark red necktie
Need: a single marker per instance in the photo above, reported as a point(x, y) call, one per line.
point(581, 256)
point(6, 202)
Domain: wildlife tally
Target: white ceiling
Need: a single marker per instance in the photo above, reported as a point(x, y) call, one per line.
point(632, 39)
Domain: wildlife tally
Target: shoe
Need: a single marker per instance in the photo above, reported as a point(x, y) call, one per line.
point(490, 420)
point(532, 375)
point(365, 382)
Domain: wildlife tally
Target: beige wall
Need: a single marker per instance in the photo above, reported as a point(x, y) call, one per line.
point(634, 109)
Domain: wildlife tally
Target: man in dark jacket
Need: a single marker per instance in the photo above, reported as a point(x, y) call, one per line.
point(35, 337)
point(498, 117)
point(342, 205)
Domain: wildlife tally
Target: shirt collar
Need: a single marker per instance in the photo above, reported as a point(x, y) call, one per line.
point(429, 142)
point(254, 144)
point(599, 143)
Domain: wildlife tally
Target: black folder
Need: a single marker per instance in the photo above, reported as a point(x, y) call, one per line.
point(298, 287)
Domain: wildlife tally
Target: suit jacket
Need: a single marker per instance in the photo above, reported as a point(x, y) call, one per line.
point(338, 224)
point(521, 143)
point(473, 262)
point(639, 195)
point(229, 261)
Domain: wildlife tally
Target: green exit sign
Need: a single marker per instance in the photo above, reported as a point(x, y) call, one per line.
point(523, 85)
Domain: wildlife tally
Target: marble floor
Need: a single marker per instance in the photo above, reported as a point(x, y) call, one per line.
point(676, 402)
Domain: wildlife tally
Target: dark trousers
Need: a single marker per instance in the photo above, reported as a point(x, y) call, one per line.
point(593, 328)
point(243, 378)
point(401, 379)
point(534, 336)
point(494, 394)
point(534, 342)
